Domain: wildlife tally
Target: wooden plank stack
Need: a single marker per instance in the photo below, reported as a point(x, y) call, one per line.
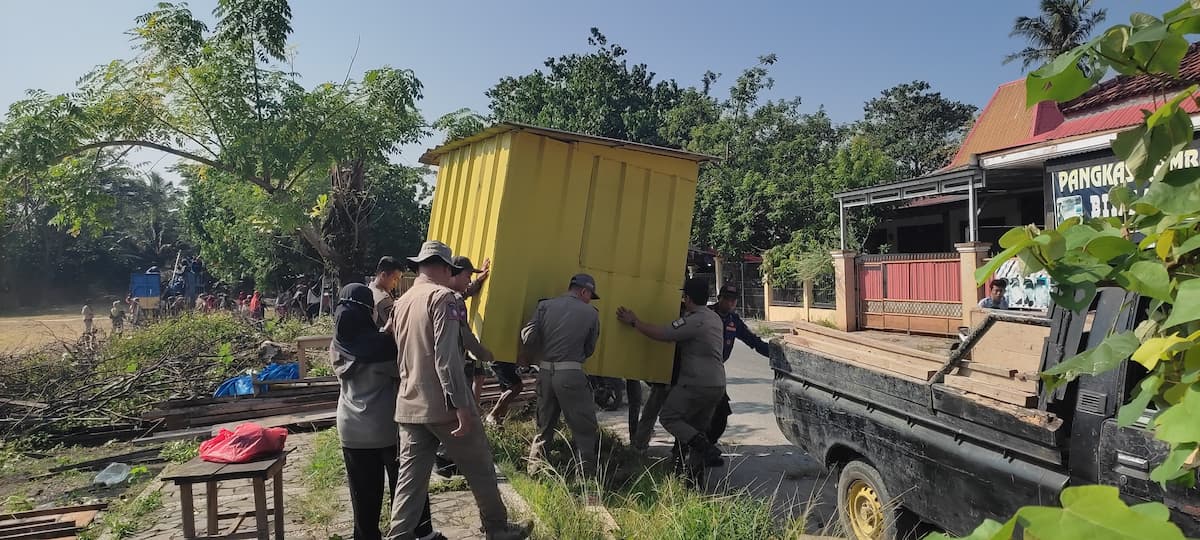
point(296, 402)
point(311, 401)
point(1003, 364)
point(48, 524)
point(861, 350)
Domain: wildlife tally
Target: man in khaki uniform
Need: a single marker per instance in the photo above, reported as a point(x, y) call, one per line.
point(701, 385)
point(435, 404)
point(561, 335)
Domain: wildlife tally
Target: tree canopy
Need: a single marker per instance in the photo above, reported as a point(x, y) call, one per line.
point(1061, 26)
point(223, 102)
point(919, 128)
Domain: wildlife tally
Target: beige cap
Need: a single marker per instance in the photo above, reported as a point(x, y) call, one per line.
point(432, 249)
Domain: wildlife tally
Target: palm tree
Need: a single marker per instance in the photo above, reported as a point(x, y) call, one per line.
point(1062, 26)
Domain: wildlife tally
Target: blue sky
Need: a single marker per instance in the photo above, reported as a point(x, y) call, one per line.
point(832, 53)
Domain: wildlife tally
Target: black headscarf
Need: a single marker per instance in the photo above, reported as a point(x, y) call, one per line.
point(355, 333)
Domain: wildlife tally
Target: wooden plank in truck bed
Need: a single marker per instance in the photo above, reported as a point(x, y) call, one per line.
point(1029, 424)
point(860, 355)
point(865, 351)
point(983, 388)
point(884, 387)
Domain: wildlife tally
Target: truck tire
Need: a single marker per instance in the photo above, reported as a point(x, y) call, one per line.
point(865, 506)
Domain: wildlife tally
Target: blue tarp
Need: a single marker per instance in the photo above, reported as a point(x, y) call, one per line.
point(243, 385)
point(144, 285)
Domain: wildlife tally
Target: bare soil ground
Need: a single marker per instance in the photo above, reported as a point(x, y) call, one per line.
point(25, 482)
point(32, 330)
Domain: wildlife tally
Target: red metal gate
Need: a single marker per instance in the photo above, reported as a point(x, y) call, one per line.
point(918, 292)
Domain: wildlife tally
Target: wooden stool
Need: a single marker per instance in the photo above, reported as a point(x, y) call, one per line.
point(198, 471)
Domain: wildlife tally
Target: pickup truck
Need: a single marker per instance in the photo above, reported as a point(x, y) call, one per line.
point(912, 444)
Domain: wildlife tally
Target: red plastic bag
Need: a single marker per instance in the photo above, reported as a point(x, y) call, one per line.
point(245, 443)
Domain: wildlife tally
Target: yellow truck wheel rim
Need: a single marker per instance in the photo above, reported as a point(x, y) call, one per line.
point(865, 511)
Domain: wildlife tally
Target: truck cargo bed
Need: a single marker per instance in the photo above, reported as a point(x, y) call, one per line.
point(990, 403)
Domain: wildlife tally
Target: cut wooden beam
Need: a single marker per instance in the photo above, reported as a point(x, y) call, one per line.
point(998, 393)
point(38, 530)
point(869, 342)
point(282, 420)
point(53, 511)
point(855, 354)
point(103, 462)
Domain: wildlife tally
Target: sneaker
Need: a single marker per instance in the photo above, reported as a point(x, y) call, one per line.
point(511, 531)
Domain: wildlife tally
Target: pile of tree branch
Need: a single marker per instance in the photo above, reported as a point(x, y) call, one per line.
point(67, 392)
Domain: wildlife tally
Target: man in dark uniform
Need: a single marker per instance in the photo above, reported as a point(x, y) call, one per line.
point(735, 329)
point(689, 407)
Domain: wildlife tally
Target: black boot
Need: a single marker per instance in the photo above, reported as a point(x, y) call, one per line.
point(703, 453)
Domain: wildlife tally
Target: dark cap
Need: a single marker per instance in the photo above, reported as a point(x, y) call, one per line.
point(464, 263)
point(586, 281)
point(728, 291)
point(696, 289)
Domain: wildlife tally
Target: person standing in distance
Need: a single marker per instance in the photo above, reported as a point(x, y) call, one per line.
point(434, 404)
point(735, 329)
point(388, 272)
point(560, 336)
point(689, 407)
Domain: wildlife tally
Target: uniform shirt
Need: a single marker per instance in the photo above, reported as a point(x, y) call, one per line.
point(383, 304)
point(426, 323)
point(987, 303)
point(470, 342)
point(562, 329)
point(87, 313)
point(735, 328)
point(700, 334)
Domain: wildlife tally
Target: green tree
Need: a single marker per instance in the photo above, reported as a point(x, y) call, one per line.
point(1061, 26)
point(222, 101)
point(461, 123)
point(859, 163)
point(598, 93)
point(920, 129)
point(764, 188)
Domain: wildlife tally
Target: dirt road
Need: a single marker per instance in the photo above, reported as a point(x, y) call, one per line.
point(24, 332)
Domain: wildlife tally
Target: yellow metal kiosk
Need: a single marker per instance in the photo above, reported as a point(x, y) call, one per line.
point(544, 204)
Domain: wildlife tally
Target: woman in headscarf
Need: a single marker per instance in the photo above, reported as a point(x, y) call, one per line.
point(364, 360)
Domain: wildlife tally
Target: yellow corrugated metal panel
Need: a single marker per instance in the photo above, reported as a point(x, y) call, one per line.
point(544, 208)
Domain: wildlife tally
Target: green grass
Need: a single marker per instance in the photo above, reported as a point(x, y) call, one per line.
point(179, 451)
point(645, 498)
point(123, 520)
point(324, 471)
point(557, 507)
point(764, 331)
point(457, 483)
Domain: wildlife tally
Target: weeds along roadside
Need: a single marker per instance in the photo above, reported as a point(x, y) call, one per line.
point(644, 497)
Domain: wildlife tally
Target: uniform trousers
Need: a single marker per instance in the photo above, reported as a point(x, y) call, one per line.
point(650, 411)
point(689, 410)
point(566, 393)
point(473, 456)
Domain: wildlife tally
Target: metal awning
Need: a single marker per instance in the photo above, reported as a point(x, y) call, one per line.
point(942, 183)
point(968, 180)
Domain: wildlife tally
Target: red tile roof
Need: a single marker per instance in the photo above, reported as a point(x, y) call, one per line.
point(1130, 115)
point(1005, 122)
point(1125, 87)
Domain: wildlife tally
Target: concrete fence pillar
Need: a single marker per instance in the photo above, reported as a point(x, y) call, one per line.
point(845, 278)
point(971, 257)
